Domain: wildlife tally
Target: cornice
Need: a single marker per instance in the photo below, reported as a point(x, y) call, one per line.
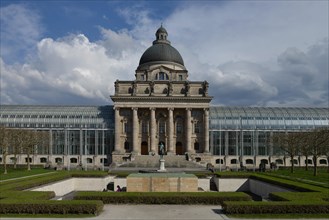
point(159, 99)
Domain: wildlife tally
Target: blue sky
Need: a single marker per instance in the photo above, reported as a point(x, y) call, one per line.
point(253, 53)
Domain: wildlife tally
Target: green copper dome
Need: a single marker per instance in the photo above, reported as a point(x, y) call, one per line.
point(161, 50)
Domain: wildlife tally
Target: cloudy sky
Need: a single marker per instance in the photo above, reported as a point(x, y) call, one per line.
point(253, 53)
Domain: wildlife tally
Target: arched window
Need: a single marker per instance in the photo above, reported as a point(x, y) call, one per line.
point(323, 161)
point(264, 161)
point(279, 161)
point(73, 160)
point(89, 160)
point(249, 161)
point(219, 161)
point(162, 76)
point(294, 161)
point(234, 161)
point(309, 161)
point(43, 160)
point(58, 160)
point(105, 160)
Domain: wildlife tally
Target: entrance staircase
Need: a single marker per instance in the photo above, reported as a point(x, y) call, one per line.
point(171, 161)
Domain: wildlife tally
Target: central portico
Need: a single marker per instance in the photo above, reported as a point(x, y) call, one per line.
point(161, 106)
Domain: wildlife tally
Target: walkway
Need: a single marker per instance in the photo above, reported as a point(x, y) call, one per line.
point(155, 212)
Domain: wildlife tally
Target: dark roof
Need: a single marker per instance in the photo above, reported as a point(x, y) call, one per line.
point(161, 52)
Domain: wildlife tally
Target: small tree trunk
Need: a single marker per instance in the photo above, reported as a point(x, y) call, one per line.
point(315, 165)
point(292, 163)
point(15, 161)
point(328, 164)
point(28, 162)
point(5, 163)
point(306, 167)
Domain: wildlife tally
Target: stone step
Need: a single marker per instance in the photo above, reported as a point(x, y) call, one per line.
point(171, 161)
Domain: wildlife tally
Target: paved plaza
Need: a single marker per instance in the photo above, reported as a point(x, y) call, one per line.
point(155, 212)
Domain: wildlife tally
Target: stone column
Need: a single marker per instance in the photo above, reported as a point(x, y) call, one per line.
point(170, 131)
point(152, 131)
point(188, 130)
point(135, 131)
point(206, 130)
point(117, 132)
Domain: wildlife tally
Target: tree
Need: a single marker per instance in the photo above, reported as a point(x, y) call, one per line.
point(305, 146)
point(30, 140)
point(16, 139)
point(319, 140)
point(4, 146)
point(289, 143)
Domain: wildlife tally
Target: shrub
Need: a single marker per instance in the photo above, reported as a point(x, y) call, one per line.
point(163, 198)
point(275, 207)
point(50, 207)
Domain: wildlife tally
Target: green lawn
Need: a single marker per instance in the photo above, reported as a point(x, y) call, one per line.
point(21, 172)
point(300, 174)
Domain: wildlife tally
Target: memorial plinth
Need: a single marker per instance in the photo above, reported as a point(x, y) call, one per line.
point(162, 182)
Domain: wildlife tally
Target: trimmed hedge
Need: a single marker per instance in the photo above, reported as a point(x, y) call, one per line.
point(51, 207)
point(309, 199)
point(212, 198)
point(15, 201)
point(275, 207)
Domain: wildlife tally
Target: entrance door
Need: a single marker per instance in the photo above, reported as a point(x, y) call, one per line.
point(144, 148)
point(179, 148)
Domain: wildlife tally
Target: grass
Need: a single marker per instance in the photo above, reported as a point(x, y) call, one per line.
point(278, 216)
point(45, 216)
point(21, 172)
point(300, 174)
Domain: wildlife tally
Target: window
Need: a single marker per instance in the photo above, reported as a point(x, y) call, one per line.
point(249, 161)
point(234, 161)
point(197, 127)
point(179, 127)
point(43, 160)
point(309, 161)
point(163, 76)
point(126, 127)
point(144, 127)
point(180, 77)
point(219, 161)
point(73, 160)
point(162, 127)
point(142, 77)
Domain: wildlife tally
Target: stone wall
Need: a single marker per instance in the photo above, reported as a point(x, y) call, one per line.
point(162, 182)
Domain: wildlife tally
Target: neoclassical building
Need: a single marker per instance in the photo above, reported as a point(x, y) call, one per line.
point(161, 106)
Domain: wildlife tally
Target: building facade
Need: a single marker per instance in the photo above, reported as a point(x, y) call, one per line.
point(161, 107)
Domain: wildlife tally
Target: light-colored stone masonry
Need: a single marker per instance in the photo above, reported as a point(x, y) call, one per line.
point(162, 182)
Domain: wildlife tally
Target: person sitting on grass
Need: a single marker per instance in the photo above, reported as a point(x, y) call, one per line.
point(118, 188)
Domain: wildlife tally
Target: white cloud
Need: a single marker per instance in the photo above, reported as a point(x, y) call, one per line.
point(251, 53)
point(73, 66)
point(20, 30)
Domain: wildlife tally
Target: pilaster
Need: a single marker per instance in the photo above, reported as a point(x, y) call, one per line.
point(206, 130)
point(153, 130)
point(170, 130)
point(135, 131)
point(188, 131)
